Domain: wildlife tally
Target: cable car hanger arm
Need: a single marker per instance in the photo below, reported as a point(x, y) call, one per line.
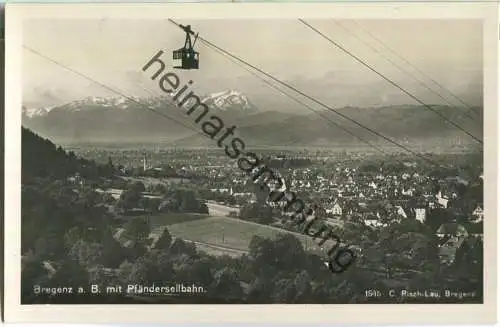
point(195, 38)
point(186, 29)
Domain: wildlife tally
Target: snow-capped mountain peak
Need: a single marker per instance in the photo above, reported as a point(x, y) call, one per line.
point(115, 102)
point(36, 112)
point(229, 100)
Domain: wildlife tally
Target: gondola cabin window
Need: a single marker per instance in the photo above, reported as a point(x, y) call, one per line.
point(186, 57)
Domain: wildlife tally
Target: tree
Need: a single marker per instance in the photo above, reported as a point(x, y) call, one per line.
point(199, 272)
point(113, 254)
point(260, 291)
point(284, 291)
point(109, 168)
point(143, 203)
point(32, 273)
point(69, 273)
point(407, 248)
point(261, 253)
point(138, 230)
point(437, 217)
point(87, 254)
point(189, 203)
point(50, 244)
point(303, 286)
point(164, 241)
point(137, 187)
point(129, 199)
point(179, 247)
point(158, 189)
point(467, 269)
point(227, 286)
point(182, 200)
point(98, 275)
point(319, 294)
point(161, 266)
point(203, 208)
point(124, 272)
point(169, 205)
point(258, 212)
point(155, 267)
point(137, 272)
point(290, 252)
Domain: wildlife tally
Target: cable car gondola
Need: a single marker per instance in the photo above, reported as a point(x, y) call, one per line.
point(186, 57)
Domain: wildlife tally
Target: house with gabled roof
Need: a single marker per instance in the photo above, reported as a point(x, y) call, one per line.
point(120, 237)
point(420, 214)
point(400, 211)
point(408, 192)
point(478, 214)
point(442, 200)
point(335, 210)
point(373, 221)
point(451, 229)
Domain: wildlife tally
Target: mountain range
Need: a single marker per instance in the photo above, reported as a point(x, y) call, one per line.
point(159, 120)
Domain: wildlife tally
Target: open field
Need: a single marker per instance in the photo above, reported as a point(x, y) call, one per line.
point(231, 233)
point(153, 180)
point(168, 219)
point(217, 250)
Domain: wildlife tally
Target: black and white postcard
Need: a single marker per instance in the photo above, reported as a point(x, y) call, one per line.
point(164, 161)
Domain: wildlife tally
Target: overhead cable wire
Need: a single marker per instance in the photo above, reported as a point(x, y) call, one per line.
point(395, 64)
point(287, 85)
point(111, 89)
point(336, 44)
point(168, 101)
point(295, 99)
point(471, 109)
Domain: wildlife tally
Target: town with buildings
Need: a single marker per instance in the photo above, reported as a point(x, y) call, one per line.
point(346, 189)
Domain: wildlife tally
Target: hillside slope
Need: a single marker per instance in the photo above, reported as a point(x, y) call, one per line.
point(43, 159)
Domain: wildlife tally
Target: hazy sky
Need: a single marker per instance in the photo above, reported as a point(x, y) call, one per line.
point(114, 51)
